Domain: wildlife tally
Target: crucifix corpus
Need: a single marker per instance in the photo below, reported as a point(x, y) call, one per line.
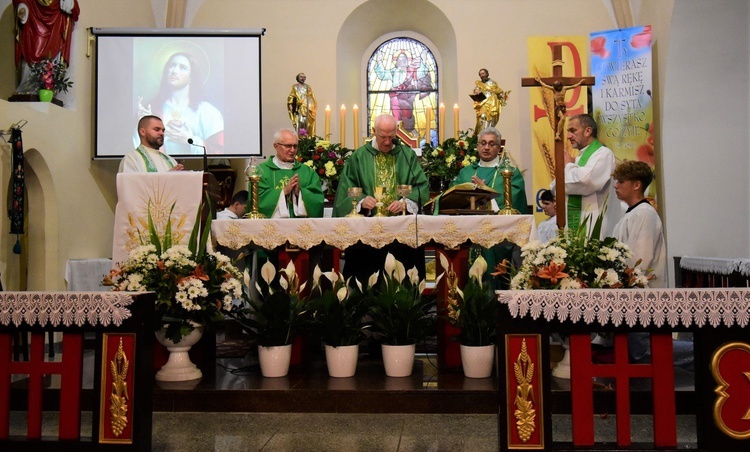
point(559, 86)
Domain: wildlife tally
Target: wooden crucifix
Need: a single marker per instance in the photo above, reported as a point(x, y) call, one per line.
point(559, 86)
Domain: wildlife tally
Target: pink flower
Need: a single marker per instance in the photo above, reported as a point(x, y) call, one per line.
point(598, 47)
point(302, 132)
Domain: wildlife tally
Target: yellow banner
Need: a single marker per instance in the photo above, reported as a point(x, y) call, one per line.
point(574, 64)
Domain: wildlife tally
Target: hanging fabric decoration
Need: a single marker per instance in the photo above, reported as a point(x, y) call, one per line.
point(17, 189)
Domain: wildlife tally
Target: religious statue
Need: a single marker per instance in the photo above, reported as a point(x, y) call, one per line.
point(409, 76)
point(302, 106)
point(558, 90)
point(43, 30)
point(489, 100)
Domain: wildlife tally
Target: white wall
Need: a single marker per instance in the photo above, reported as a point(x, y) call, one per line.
point(705, 123)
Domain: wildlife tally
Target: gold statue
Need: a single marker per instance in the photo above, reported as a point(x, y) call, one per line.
point(302, 106)
point(489, 100)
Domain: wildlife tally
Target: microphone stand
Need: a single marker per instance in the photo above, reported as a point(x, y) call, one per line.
point(205, 154)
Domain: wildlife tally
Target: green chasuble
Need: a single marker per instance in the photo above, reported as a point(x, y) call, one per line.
point(272, 182)
point(494, 179)
point(367, 167)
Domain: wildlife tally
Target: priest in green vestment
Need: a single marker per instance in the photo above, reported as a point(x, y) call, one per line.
point(487, 171)
point(288, 188)
point(381, 162)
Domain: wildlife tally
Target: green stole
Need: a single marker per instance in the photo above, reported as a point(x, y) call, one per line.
point(147, 160)
point(575, 201)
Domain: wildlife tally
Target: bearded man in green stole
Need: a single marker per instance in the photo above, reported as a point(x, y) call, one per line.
point(589, 187)
point(381, 162)
point(287, 188)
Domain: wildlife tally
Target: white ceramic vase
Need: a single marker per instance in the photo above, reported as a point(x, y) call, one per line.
point(398, 359)
point(477, 360)
point(178, 366)
point(342, 360)
point(274, 361)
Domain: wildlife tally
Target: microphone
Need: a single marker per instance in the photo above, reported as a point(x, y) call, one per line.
point(205, 154)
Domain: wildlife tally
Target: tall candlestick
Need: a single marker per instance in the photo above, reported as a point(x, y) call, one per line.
point(355, 114)
point(428, 120)
point(342, 125)
point(455, 121)
point(328, 123)
point(441, 123)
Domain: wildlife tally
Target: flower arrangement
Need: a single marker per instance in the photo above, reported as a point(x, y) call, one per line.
point(326, 158)
point(275, 318)
point(474, 309)
point(50, 74)
point(192, 286)
point(574, 260)
point(336, 314)
point(401, 314)
point(447, 159)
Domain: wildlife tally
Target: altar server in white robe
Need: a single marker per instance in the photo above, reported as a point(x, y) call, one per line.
point(147, 157)
point(588, 178)
point(640, 228)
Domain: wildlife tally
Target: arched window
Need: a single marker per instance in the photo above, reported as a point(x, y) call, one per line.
point(402, 79)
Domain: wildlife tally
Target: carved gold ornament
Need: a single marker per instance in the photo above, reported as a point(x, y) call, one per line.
point(118, 398)
point(525, 413)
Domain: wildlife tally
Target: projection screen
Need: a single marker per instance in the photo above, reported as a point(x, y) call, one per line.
point(204, 84)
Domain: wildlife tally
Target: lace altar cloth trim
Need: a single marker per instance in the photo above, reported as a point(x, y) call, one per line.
point(716, 265)
point(411, 230)
point(648, 307)
point(64, 308)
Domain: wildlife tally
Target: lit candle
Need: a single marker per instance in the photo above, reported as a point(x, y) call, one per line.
point(327, 136)
point(455, 121)
point(355, 114)
point(441, 123)
point(342, 126)
point(428, 120)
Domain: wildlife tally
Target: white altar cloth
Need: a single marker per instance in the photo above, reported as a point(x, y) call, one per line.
point(410, 230)
point(657, 307)
point(65, 308)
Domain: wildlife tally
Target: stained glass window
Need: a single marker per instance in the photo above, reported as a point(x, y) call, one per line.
point(402, 79)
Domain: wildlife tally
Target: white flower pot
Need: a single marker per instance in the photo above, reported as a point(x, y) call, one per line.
point(477, 361)
point(274, 361)
point(398, 359)
point(342, 360)
point(562, 369)
point(178, 366)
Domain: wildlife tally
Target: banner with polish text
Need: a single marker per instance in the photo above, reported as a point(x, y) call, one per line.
point(623, 94)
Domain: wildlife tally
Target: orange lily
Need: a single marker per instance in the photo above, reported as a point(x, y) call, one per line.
point(200, 274)
point(553, 272)
point(501, 268)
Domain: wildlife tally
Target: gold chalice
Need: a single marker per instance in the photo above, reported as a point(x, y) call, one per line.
point(355, 193)
point(403, 191)
point(379, 195)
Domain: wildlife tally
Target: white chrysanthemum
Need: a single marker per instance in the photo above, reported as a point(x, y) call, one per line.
point(519, 282)
point(181, 296)
point(569, 283)
point(221, 258)
point(227, 303)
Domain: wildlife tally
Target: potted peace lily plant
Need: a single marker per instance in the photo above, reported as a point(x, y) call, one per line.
point(336, 314)
point(275, 318)
point(193, 288)
point(474, 311)
point(402, 316)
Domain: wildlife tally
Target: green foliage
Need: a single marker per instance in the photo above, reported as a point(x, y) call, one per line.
point(446, 160)
point(401, 314)
point(276, 316)
point(477, 317)
point(337, 314)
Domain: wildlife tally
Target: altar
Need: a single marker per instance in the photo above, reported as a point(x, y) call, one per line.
point(450, 235)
